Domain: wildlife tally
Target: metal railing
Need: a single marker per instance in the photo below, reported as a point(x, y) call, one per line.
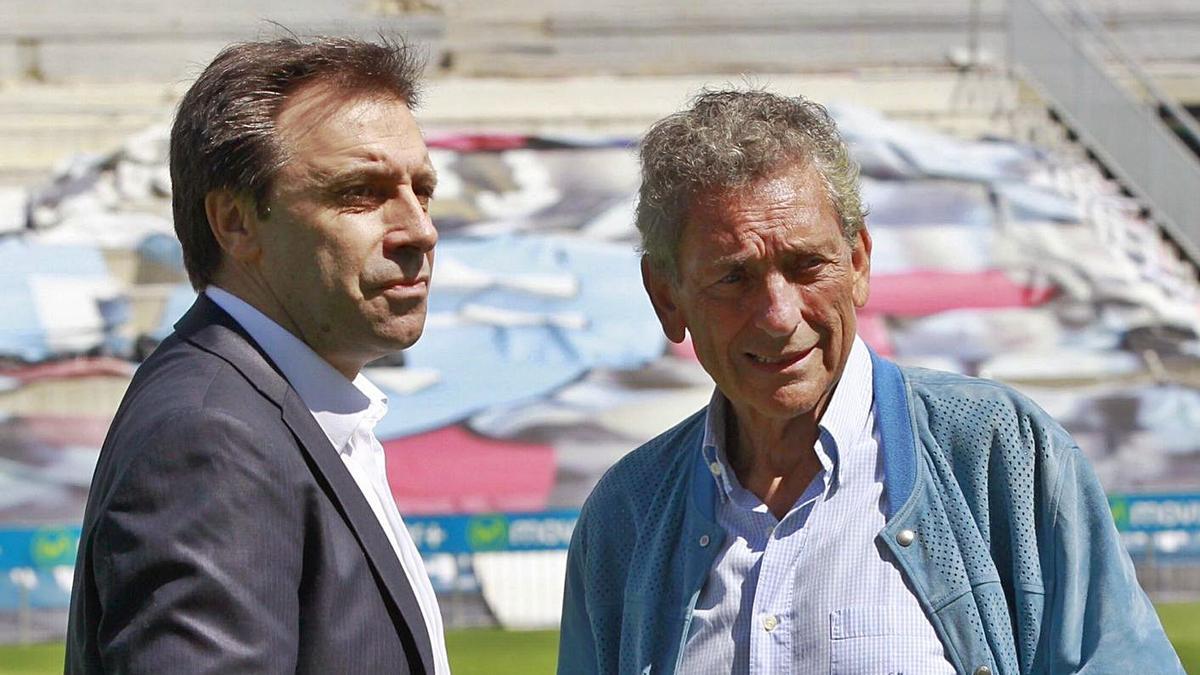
point(1065, 56)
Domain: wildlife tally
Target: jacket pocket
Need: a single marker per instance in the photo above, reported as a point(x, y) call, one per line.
point(885, 639)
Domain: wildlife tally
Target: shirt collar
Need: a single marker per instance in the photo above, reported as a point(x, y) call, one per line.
point(844, 421)
point(340, 406)
point(847, 417)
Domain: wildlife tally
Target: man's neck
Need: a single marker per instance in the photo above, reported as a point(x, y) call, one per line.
point(259, 296)
point(775, 461)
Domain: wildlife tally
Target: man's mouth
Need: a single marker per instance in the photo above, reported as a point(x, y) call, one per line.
point(406, 289)
point(777, 361)
point(407, 283)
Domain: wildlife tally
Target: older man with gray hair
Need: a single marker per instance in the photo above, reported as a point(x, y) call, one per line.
point(828, 511)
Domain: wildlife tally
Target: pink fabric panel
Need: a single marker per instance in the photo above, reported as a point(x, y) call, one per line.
point(872, 328)
point(58, 431)
point(477, 142)
point(70, 369)
point(452, 470)
point(924, 293)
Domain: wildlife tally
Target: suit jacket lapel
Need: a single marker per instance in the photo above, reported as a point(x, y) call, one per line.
point(211, 328)
point(362, 520)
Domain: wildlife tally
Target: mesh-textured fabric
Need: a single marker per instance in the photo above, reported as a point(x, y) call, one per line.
point(1014, 555)
point(984, 445)
point(649, 481)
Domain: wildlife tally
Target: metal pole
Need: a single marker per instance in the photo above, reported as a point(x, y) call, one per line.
point(973, 36)
point(24, 620)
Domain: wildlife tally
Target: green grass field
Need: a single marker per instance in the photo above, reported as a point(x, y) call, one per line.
point(498, 652)
point(472, 652)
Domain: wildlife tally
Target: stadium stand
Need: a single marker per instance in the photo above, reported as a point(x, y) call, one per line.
point(1003, 248)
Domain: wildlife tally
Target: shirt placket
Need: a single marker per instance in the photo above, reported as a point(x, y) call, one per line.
point(774, 596)
point(803, 584)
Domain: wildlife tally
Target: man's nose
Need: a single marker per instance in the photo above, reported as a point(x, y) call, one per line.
point(408, 223)
point(779, 307)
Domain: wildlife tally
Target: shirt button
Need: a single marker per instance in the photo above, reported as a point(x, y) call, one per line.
point(704, 540)
point(770, 622)
point(983, 670)
point(715, 468)
point(905, 538)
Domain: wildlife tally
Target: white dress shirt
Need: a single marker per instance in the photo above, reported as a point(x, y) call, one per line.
point(812, 592)
point(347, 412)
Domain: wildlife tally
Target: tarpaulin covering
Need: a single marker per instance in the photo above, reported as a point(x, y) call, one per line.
point(52, 299)
point(542, 361)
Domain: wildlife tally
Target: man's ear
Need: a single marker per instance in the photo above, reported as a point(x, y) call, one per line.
point(860, 260)
point(234, 223)
point(662, 295)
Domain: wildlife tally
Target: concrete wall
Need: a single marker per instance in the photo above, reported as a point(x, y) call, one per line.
point(161, 41)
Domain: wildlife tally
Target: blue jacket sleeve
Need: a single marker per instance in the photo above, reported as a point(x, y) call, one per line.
point(1098, 618)
point(577, 645)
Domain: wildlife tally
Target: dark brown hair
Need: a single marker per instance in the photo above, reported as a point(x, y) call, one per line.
point(224, 134)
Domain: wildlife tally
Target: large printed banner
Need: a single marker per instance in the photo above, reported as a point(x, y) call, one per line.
point(36, 563)
point(1156, 513)
point(49, 547)
point(481, 533)
point(38, 548)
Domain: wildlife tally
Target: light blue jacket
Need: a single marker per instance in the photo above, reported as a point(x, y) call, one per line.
point(1015, 557)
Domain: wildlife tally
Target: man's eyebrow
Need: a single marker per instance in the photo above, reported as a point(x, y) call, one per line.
point(424, 174)
point(742, 258)
point(726, 261)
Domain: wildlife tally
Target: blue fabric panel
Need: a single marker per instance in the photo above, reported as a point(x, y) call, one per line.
point(178, 302)
point(483, 365)
point(926, 202)
point(895, 433)
point(22, 333)
point(479, 367)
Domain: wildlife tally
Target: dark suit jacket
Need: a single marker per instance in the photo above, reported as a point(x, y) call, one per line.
point(223, 534)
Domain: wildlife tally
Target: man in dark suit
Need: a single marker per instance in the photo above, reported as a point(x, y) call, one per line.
point(240, 519)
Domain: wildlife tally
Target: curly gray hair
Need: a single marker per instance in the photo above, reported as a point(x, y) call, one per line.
point(728, 139)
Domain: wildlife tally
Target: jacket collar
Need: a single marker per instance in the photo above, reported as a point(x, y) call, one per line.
point(894, 422)
point(212, 329)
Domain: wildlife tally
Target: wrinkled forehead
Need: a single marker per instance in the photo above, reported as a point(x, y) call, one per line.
point(324, 109)
point(796, 192)
point(323, 132)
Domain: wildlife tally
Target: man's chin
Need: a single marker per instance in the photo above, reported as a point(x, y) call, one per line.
point(396, 343)
point(792, 401)
point(401, 332)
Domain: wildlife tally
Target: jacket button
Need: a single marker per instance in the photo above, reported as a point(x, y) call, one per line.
point(905, 538)
point(704, 540)
point(983, 670)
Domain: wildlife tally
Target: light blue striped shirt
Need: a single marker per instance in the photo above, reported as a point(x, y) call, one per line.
point(813, 592)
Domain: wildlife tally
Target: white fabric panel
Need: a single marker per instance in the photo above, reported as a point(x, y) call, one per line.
point(522, 588)
point(69, 311)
